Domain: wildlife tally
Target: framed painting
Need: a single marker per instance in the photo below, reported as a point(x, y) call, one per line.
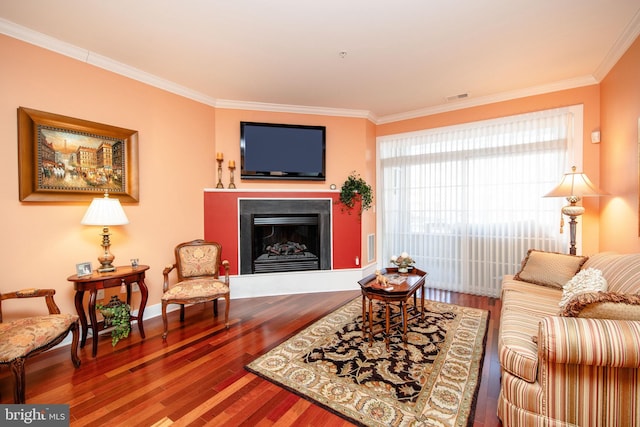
point(63, 159)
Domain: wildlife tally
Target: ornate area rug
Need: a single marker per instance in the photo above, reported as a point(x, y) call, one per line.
point(432, 380)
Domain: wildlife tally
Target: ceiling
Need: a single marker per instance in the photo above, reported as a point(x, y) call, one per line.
point(382, 59)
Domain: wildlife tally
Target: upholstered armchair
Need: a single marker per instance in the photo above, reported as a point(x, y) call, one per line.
point(197, 265)
point(27, 337)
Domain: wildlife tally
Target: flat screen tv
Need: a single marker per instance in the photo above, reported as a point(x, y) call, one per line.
point(277, 151)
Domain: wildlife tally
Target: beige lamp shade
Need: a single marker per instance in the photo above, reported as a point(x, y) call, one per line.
point(575, 185)
point(105, 211)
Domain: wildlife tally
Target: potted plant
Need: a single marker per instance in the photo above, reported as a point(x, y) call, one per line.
point(355, 188)
point(116, 314)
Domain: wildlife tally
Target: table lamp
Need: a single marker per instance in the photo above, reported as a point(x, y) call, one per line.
point(573, 187)
point(105, 212)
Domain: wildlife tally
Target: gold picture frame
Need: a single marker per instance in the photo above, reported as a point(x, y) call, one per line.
point(64, 159)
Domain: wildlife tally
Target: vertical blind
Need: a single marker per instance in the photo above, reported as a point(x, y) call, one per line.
point(466, 202)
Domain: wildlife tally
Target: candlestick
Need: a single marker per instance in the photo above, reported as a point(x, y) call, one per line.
point(219, 156)
point(219, 160)
point(232, 166)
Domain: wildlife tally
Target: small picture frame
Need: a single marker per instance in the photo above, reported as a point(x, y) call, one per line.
point(84, 269)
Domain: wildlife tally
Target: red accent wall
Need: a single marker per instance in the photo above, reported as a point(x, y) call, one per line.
point(221, 223)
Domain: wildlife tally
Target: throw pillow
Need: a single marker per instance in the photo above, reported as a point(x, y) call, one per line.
point(603, 305)
point(549, 268)
point(588, 280)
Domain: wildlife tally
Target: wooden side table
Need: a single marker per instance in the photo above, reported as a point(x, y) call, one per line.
point(126, 275)
point(398, 292)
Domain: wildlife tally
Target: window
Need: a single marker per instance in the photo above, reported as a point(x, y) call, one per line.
point(467, 201)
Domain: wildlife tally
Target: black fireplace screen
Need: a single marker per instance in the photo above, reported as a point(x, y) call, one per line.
point(285, 243)
point(283, 235)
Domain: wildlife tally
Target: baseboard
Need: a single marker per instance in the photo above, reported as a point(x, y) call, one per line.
point(274, 284)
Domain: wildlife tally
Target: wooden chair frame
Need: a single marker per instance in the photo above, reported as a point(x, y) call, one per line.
point(195, 300)
point(17, 364)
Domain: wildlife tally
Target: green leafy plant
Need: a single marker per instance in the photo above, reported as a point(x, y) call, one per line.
point(116, 314)
point(354, 188)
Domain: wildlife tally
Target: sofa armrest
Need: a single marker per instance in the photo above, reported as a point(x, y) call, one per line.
point(582, 360)
point(597, 342)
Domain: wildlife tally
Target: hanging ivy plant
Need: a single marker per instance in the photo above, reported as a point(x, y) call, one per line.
point(355, 188)
point(116, 314)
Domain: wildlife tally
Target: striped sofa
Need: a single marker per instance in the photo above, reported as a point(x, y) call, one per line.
point(577, 364)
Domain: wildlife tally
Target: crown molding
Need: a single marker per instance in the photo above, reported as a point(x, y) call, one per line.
point(300, 109)
point(83, 55)
point(622, 44)
point(490, 99)
point(55, 45)
point(25, 34)
point(33, 37)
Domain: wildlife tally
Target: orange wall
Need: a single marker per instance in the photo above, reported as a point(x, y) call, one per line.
point(588, 96)
point(620, 93)
point(43, 242)
point(178, 141)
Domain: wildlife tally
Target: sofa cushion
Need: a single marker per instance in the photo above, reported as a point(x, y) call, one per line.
point(587, 280)
point(523, 305)
point(509, 283)
point(196, 288)
point(526, 396)
point(622, 271)
point(549, 268)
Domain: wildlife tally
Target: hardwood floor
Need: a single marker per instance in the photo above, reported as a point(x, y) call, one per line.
point(198, 378)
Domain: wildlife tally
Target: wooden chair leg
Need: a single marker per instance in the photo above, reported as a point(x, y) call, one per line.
point(17, 367)
point(181, 312)
point(75, 338)
point(226, 311)
point(165, 322)
point(215, 307)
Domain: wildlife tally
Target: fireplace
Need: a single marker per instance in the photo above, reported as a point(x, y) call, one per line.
point(284, 235)
point(285, 243)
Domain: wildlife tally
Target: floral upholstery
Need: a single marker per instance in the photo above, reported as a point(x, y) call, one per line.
point(30, 336)
point(196, 288)
point(21, 337)
point(198, 265)
point(198, 261)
